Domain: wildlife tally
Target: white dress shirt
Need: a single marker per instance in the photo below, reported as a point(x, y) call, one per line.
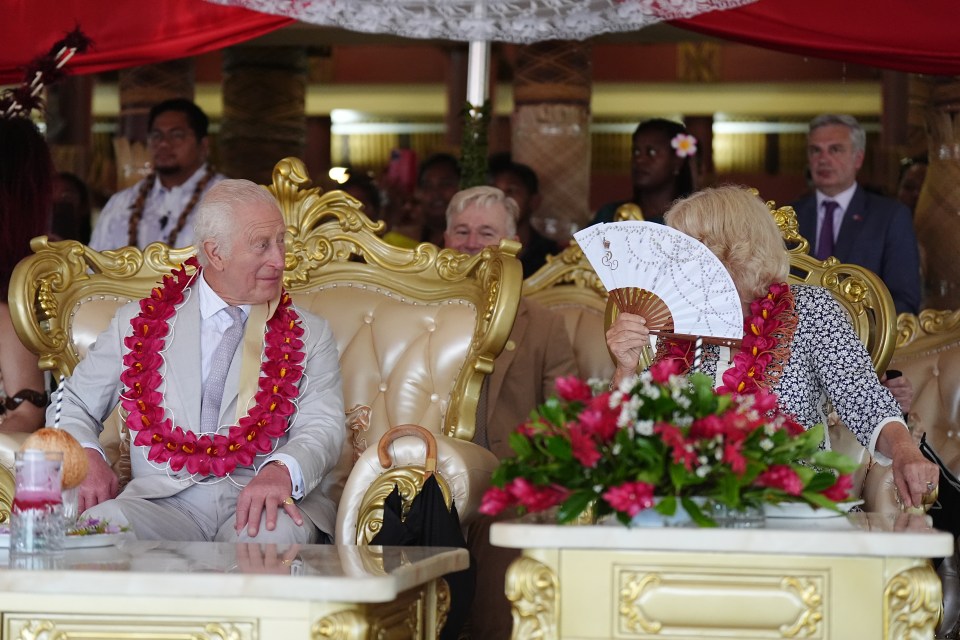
point(214, 321)
point(161, 211)
point(843, 200)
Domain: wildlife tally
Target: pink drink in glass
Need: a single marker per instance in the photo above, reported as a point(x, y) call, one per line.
point(36, 519)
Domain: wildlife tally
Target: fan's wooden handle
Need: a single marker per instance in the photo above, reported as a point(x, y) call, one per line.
point(383, 453)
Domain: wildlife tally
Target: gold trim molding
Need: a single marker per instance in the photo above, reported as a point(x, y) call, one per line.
point(67, 627)
point(534, 591)
point(912, 604)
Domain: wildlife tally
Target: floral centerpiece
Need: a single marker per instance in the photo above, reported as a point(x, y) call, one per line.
point(665, 436)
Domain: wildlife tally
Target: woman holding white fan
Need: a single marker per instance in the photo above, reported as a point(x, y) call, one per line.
point(797, 342)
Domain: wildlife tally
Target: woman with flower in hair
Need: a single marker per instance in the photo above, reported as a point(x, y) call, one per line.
point(797, 341)
point(26, 188)
point(661, 168)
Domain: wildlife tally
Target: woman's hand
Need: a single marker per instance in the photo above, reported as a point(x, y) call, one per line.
point(913, 474)
point(626, 338)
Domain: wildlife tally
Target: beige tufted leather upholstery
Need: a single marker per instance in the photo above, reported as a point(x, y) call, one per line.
point(417, 330)
point(928, 353)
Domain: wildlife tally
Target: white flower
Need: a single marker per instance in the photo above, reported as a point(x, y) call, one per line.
point(703, 471)
point(766, 444)
point(644, 427)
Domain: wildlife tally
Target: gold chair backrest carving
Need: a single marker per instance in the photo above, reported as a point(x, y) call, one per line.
point(859, 291)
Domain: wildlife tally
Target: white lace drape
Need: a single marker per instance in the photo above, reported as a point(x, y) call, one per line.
point(518, 21)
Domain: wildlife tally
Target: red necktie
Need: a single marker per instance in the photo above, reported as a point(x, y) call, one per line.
point(825, 241)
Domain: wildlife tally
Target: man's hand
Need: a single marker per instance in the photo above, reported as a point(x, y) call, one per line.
point(101, 483)
point(254, 558)
point(901, 389)
point(626, 338)
point(268, 490)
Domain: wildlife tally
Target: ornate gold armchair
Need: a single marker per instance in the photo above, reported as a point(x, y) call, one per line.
point(417, 330)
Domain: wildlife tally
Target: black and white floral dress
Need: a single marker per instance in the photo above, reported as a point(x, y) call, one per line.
point(828, 363)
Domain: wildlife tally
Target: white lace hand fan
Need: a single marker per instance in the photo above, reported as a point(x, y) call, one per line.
point(669, 278)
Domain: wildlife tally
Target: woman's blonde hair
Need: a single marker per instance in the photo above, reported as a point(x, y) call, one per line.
point(738, 228)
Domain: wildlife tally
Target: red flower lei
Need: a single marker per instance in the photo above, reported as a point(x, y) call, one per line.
point(767, 334)
point(210, 453)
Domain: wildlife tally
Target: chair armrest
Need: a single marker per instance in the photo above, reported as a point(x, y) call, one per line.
point(872, 482)
point(463, 466)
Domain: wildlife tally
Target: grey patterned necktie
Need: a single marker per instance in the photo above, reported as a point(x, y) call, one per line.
point(222, 357)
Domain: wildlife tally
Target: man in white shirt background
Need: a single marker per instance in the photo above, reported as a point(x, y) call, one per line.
point(162, 206)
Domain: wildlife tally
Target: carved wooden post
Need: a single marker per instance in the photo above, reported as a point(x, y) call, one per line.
point(264, 110)
point(936, 220)
point(551, 131)
point(140, 89)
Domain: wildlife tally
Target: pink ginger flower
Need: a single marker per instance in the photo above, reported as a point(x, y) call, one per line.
point(780, 476)
point(630, 497)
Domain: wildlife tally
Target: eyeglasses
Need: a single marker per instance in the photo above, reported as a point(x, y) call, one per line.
point(173, 136)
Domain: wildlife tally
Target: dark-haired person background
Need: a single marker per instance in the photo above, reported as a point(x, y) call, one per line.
point(661, 171)
point(26, 188)
point(161, 207)
point(520, 182)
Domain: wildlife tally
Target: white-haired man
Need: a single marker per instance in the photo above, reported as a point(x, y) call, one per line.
point(217, 452)
point(537, 352)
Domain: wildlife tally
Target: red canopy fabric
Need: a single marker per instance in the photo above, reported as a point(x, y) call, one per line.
point(919, 37)
point(125, 33)
point(896, 34)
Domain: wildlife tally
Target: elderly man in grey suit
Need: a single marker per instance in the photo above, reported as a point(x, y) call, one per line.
point(842, 219)
point(233, 395)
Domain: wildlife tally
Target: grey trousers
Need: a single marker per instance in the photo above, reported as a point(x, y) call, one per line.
point(201, 512)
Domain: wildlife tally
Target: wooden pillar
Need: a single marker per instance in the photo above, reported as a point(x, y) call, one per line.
point(69, 120)
point(893, 128)
point(551, 131)
point(701, 128)
point(140, 89)
point(936, 220)
point(456, 83)
point(264, 110)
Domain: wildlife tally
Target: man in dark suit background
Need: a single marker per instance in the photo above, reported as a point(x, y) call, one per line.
point(842, 219)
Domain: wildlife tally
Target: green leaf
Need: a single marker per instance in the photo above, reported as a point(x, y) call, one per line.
point(560, 448)
point(520, 444)
point(820, 500)
point(667, 506)
point(574, 505)
point(835, 460)
point(820, 482)
point(698, 516)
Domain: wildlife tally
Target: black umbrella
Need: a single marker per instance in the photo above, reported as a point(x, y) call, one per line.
point(427, 522)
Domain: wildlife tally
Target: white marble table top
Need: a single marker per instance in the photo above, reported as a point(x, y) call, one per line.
point(343, 573)
point(856, 534)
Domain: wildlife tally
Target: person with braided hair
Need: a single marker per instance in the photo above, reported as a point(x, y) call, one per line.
point(161, 207)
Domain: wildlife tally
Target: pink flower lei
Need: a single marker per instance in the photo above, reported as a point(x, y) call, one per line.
point(766, 344)
point(210, 453)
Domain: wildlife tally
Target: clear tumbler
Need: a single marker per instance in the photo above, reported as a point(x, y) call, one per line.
point(36, 519)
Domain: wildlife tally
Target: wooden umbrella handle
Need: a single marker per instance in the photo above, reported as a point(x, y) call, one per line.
point(430, 464)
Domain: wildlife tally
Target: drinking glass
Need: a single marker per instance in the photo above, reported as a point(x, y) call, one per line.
point(36, 519)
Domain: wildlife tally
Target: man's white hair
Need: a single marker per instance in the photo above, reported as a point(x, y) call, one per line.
point(484, 198)
point(215, 220)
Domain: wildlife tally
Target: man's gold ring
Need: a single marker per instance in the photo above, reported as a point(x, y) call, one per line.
point(930, 486)
point(287, 500)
